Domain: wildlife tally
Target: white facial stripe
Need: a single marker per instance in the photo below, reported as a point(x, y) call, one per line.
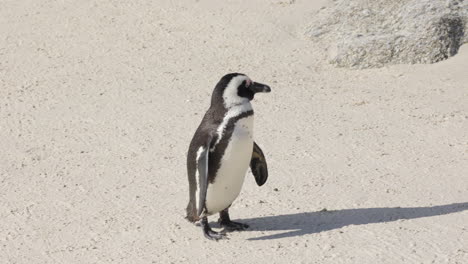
point(230, 96)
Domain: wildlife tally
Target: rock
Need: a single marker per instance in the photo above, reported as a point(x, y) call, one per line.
point(368, 34)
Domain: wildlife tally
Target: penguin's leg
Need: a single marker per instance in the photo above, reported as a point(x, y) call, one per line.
point(210, 234)
point(225, 221)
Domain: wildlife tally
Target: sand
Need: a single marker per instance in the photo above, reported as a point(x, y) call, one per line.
point(99, 101)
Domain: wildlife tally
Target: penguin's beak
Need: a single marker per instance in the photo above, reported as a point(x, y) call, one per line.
point(256, 87)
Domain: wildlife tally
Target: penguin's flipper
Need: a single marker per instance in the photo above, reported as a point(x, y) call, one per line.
point(258, 165)
point(203, 178)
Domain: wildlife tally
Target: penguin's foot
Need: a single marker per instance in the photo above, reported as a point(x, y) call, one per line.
point(209, 233)
point(225, 221)
point(232, 226)
point(212, 235)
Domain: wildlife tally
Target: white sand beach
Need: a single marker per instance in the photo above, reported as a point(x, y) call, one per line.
point(99, 101)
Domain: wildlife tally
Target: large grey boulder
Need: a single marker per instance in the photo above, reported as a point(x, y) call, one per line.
point(373, 33)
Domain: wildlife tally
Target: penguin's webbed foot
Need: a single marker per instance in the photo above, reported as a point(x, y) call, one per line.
point(213, 235)
point(225, 221)
point(209, 233)
point(233, 226)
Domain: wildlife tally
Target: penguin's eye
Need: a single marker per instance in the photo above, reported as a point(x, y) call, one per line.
point(248, 83)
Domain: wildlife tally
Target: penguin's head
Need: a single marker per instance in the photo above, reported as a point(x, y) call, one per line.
point(237, 88)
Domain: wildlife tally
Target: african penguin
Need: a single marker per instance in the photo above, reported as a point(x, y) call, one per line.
point(221, 151)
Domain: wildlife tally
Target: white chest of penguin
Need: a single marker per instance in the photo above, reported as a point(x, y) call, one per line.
point(234, 163)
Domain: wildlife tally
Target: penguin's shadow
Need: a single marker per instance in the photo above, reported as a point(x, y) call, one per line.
point(314, 222)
